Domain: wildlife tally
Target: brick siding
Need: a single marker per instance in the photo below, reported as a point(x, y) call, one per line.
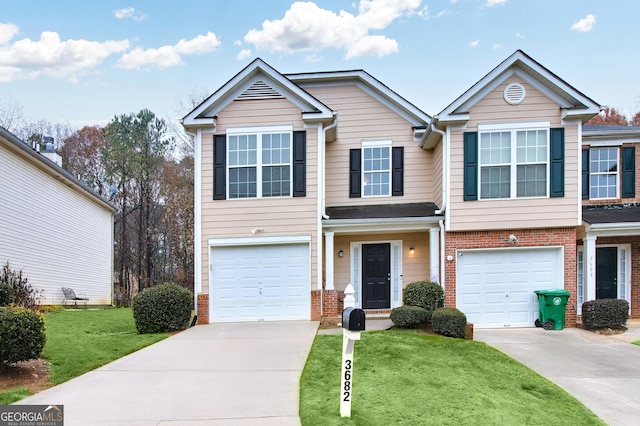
point(527, 238)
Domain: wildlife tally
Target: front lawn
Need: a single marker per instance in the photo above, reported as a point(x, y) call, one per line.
point(408, 378)
point(81, 340)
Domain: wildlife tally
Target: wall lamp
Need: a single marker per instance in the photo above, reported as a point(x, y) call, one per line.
point(412, 250)
point(341, 253)
point(257, 230)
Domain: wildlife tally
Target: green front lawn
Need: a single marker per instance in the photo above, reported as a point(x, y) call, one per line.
point(80, 340)
point(407, 378)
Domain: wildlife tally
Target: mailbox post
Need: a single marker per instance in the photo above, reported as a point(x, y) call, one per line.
point(353, 322)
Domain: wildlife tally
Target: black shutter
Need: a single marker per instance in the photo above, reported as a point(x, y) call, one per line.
point(628, 172)
point(470, 166)
point(397, 171)
point(299, 163)
point(219, 167)
point(556, 188)
point(585, 174)
point(355, 176)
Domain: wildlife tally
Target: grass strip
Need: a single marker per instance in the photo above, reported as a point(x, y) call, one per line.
point(408, 378)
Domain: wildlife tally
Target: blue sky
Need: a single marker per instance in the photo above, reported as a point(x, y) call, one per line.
point(87, 61)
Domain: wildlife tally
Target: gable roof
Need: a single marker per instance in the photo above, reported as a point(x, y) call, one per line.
point(258, 79)
point(574, 102)
point(16, 145)
point(369, 84)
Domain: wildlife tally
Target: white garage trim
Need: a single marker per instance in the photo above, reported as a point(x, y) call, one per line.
point(259, 279)
point(495, 287)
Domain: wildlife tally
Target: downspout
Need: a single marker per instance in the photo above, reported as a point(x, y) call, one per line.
point(322, 149)
point(443, 208)
point(196, 223)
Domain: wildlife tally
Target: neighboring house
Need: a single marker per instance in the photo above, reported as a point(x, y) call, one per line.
point(312, 181)
point(53, 227)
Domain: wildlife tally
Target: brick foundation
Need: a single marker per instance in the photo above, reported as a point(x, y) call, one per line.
point(203, 308)
point(332, 304)
point(565, 237)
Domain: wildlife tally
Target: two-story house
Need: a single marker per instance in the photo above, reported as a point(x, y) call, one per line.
point(307, 182)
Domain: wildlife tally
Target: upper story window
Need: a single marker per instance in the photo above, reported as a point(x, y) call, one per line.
point(514, 163)
point(376, 169)
point(603, 173)
point(257, 162)
point(515, 160)
point(609, 171)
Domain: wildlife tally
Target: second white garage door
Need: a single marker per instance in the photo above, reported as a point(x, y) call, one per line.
point(494, 288)
point(262, 282)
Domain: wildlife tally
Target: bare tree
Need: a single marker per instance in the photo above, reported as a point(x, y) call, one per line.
point(11, 116)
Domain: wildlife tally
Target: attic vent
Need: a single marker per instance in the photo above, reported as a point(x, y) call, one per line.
point(260, 90)
point(514, 93)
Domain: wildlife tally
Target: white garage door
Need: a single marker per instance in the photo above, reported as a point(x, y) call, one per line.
point(495, 287)
point(264, 282)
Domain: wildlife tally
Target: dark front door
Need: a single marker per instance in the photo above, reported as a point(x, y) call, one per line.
point(376, 276)
point(607, 273)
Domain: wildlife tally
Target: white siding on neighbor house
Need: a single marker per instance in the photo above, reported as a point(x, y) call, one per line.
point(56, 235)
point(534, 212)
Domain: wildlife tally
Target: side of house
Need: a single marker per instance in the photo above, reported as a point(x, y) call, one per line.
point(53, 228)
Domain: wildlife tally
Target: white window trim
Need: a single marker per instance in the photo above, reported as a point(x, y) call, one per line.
point(355, 270)
point(259, 131)
point(618, 185)
point(513, 128)
point(376, 144)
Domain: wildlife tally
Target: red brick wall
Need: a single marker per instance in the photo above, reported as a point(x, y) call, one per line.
point(332, 304)
point(527, 238)
point(203, 308)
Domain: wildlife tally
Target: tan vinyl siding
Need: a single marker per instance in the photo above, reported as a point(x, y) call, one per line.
point(278, 216)
point(436, 183)
point(520, 212)
point(53, 232)
point(363, 118)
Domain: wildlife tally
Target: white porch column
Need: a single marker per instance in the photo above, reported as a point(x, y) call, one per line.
point(590, 267)
point(434, 254)
point(328, 259)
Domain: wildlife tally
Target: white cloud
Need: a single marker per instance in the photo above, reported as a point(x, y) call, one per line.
point(237, 43)
point(473, 43)
point(129, 12)
point(491, 3)
point(497, 46)
point(306, 27)
point(7, 32)
point(168, 56)
point(313, 58)
point(520, 35)
point(585, 24)
point(244, 54)
point(52, 57)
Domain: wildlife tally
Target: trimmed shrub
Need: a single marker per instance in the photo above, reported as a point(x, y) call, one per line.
point(22, 335)
point(425, 294)
point(611, 313)
point(165, 307)
point(6, 294)
point(449, 322)
point(25, 295)
point(409, 316)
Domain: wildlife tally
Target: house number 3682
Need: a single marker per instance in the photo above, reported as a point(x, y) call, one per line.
point(346, 394)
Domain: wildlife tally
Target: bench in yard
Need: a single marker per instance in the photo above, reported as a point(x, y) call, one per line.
point(71, 298)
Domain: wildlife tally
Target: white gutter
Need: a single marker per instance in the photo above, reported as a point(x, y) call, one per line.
point(322, 159)
point(197, 213)
point(442, 257)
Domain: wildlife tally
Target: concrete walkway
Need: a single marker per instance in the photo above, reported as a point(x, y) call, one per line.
point(217, 374)
point(603, 372)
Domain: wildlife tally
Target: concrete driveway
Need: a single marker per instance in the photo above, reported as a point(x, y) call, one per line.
point(217, 374)
point(603, 372)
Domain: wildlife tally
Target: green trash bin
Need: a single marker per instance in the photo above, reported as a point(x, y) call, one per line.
point(553, 306)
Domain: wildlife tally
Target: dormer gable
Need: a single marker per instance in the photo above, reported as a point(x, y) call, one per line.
point(258, 80)
point(572, 103)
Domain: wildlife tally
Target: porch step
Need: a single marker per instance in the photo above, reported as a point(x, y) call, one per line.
point(377, 313)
